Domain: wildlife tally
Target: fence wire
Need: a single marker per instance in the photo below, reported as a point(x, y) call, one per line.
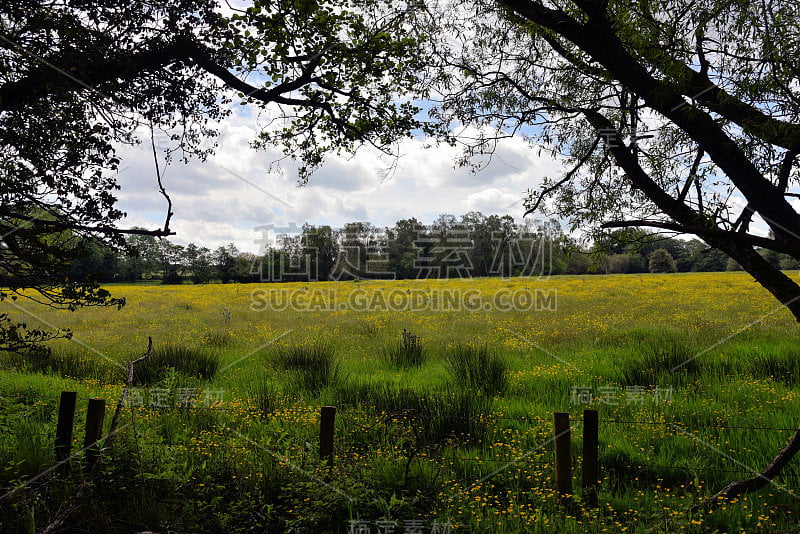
point(385, 421)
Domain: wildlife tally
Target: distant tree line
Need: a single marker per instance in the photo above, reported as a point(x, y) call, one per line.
point(632, 251)
point(473, 245)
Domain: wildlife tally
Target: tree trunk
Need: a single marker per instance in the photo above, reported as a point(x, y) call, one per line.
point(749, 485)
point(787, 292)
point(770, 277)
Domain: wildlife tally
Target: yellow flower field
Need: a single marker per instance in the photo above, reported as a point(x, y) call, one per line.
point(695, 378)
point(586, 308)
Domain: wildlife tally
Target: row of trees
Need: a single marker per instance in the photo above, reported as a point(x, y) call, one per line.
point(451, 247)
point(632, 250)
point(147, 258)
point(472, 245)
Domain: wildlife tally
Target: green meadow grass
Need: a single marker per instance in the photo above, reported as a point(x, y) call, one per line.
point(453, 425)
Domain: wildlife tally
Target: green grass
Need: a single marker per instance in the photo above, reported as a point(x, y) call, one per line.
point(265, 397)
point(311, 367)
point(478, 368)
point(72, 361)
point(778, 362)
point(218, 339)
point(409, 352)
point(433, 416)
point(662, 360)
point(453, 425)
point(187, 361)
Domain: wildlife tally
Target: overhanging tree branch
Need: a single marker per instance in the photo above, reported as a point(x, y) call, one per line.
point(776, 282)
point(597, 38)
point(713, 233)
point(749, 485)
point(100, 229)
point(548, 190)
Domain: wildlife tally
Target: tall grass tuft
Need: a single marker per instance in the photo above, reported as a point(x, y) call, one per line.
point(453, 414)
point(217, 338)
point(187, 361)
point(314, 366)
point(64, 361)
point(478, 367)
point(782, 366)
point(779, 362)
point(381, 397)
point(669, 359)
point(407, 353)
point(265, 397)
point(433, 416)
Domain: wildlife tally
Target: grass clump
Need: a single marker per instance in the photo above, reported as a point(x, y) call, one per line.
point(453, 414)
point(186, 361)
point(64, 361)
point(782, 366)
point(314, 366)
point(217, 338)
point(478, 367)
point(433, 416)
point(380, 397)
point(779, 362)
point(407, 353)
point(265, 396)
point(668, 359)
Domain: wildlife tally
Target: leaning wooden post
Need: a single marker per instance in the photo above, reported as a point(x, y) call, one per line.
point(94, 431)
point(563, 457)
point(591, 464)
point(66, 419)
point(112, 430)
point(328, 418)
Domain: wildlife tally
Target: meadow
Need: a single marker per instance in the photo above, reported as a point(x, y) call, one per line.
point(444, 418)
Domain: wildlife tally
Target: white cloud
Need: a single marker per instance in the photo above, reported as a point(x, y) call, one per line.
point(493, 201)
point(238, 188)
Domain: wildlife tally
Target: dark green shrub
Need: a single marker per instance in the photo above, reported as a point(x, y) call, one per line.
point(660, 261)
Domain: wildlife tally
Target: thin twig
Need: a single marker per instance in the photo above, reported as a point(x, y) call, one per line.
point(160, 183)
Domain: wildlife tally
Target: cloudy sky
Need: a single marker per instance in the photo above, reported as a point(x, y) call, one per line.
point(238, 189)
point(224, 199)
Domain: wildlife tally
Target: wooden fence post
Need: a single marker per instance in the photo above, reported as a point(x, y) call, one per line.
point(66, 419)
point(326, 428)
point(591, 465)
point(94, 430)
point(563, 457)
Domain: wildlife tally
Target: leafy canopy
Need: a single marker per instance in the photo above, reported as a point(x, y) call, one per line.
point(668, 114)
point(78, 78)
